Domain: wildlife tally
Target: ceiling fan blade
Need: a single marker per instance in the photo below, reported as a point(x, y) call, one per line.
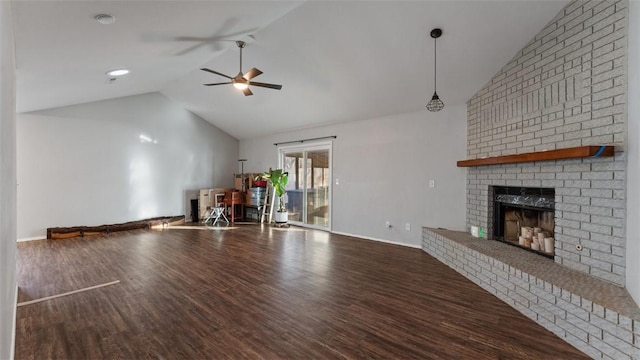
point(224, 83)
point(270, 86)
point(191, 38)
point(247, 92)
point(188, 50)
point(252, 73)
point(217, 73)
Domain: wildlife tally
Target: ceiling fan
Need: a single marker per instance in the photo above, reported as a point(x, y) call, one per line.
point(242, 81)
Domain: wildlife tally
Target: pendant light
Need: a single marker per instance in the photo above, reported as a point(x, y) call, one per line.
point(435, 104)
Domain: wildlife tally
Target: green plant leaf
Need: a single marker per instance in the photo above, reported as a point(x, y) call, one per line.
point(278, 180)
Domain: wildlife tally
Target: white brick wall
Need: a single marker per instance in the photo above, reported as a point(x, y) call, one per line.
point(565, 88)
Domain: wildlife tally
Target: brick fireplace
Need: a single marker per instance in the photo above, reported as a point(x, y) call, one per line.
point(566, 88)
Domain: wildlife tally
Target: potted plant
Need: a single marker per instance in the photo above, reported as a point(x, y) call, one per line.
point(278, 180)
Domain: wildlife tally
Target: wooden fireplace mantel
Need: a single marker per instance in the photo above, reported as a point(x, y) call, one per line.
point(568, 153)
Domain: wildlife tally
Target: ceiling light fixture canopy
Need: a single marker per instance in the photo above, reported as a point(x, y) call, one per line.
point(105, 19)
point(435, 104)
point(118, 72)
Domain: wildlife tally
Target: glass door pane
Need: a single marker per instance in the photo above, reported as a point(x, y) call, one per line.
point(308, 189)
point(317, 185)
point(294, 165)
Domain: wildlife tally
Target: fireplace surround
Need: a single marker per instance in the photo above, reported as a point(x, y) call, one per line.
point(589, 208)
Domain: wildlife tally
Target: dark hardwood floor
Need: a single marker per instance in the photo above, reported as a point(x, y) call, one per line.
point(259, 292)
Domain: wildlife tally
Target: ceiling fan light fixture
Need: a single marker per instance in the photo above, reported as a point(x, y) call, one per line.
point(240, 85)
point(435, 104)
point(242, 81)
point(239, 82)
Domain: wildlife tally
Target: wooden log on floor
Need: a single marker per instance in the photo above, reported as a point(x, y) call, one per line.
point(152, 223)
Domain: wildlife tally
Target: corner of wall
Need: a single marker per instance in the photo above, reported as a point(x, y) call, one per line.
point(8, 285)
point(13, 333)
point(633, 155)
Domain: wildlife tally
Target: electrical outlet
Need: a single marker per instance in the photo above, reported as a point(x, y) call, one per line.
point(407, 227)
point(387, 224)
point(337, 181)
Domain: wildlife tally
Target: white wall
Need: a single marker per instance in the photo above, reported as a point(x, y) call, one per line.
point(87, 165)
point(384, 166)
point(633, 155)
point(7, 184)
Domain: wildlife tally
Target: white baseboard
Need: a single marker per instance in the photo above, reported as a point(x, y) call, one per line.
point(378, 240)
point(32, 238)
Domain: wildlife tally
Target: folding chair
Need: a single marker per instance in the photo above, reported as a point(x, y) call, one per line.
point(218, 210)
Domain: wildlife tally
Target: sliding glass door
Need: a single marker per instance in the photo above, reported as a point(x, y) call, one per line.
point(309, 187)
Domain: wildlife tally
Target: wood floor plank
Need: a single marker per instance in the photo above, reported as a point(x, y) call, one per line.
point(255, 292)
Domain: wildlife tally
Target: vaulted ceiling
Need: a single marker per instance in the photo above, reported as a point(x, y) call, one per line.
point(337, 60)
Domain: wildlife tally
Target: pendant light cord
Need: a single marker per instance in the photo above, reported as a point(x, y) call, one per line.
point(435, 62)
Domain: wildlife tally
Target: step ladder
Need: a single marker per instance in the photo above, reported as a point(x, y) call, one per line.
point(267, 207)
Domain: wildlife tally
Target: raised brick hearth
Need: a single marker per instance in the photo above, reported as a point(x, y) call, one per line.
point(595, 316)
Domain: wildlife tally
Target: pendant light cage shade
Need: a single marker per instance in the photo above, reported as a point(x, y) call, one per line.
point(435, 104)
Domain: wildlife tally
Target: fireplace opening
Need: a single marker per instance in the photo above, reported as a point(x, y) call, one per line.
point(524, 217)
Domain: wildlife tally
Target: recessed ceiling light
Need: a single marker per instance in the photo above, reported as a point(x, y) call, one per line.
point(118, 72)
point(105, 19)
